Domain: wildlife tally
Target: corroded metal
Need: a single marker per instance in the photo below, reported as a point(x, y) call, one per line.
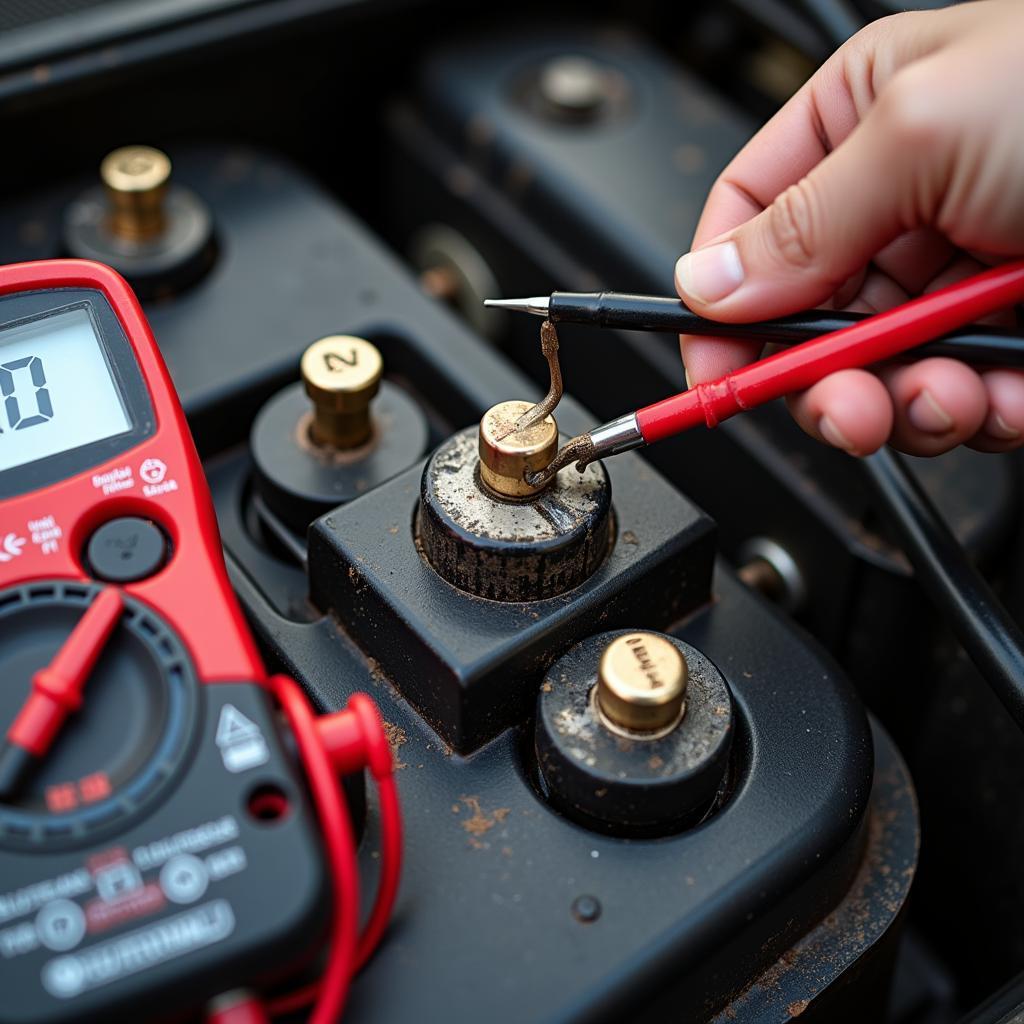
point(547, 405)
point(510, 550)
point(579, 450)
point(508, 456)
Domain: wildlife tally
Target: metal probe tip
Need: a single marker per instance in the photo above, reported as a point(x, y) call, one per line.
point(537, 305)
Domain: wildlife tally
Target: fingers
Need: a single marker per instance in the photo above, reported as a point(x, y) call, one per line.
point(924, 408)
point(1003, 429)
point(850, 410)
point(812, 238)
point(707, 358)
point(938, 403)
point(818, 118)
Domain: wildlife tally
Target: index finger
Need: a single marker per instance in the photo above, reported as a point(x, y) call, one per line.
point(817, 119)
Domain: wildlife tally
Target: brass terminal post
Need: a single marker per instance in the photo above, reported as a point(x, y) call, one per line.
point(508, 455)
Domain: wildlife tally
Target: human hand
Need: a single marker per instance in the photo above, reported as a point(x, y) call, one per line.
point(897, 169)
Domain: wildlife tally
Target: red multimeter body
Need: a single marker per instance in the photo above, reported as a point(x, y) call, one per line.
point(166, 836)
point(192, 589)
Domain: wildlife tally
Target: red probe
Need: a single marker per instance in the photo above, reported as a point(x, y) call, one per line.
point(870, 341)
point(57, 691)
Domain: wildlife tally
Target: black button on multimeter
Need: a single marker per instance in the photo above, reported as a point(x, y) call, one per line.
point(126, 549)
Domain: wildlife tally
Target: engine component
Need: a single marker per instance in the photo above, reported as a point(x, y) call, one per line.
point(479, 660)
point(641, 686)
point(154, 232)
point(617, 749)
point(310, 460)
point(506, 550)
point(794, 885)
point(508, 453)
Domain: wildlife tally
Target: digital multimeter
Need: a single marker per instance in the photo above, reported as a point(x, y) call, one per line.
point(165, 835)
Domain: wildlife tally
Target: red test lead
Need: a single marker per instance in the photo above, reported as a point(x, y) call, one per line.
point(56, 692)
point(865, 343)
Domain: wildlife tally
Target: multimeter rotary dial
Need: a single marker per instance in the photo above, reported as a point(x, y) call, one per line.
point(127, 742)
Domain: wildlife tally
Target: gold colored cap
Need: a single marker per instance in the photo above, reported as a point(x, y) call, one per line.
point(136, 181)
point(641, 684)
point(341, 374)
point(506, 457)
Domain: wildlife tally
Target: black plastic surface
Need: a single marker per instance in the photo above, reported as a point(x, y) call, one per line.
point(485, 927)
point(244, 899)
point(154, 267)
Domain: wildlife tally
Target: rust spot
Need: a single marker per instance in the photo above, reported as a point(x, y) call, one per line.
point(396, 738)
point(797, 1008)
point(480, 821)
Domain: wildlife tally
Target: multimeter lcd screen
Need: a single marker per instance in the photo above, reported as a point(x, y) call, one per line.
point(56, 388)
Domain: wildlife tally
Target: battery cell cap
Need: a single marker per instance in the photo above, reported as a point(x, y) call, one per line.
point(136, 180)
point(506, 455)
point(341, 374)
point(641, 684)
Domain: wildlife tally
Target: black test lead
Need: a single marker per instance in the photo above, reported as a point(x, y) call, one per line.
point(864, 342)
point(976, 346)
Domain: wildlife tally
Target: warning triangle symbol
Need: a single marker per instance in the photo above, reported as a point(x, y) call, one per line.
point(233, 727)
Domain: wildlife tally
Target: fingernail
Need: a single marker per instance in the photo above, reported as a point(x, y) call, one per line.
point(998, 427)
point(710, 274)
point(834, 436)
point(686, 373)
point(926, 414)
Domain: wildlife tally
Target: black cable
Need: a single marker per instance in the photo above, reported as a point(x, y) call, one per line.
point(992, 640)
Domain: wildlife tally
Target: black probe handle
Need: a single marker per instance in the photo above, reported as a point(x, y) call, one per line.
point(977, 346)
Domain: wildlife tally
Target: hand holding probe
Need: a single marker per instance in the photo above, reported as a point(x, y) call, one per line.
point(976, 346)
point(864, 343)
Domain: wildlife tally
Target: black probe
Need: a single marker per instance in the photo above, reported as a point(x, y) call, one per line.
point(980, 346)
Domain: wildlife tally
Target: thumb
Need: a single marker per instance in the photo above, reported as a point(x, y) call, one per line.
point(826, 227)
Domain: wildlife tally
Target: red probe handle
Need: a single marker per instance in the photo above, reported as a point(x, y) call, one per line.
point(57, 688)
point(871, 341)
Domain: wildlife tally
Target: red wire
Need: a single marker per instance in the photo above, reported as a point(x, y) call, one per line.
point(870, 341)
point(390, 867)
point(246, 1010)
point(57, 689)
point(337, 831)
point(391, 852)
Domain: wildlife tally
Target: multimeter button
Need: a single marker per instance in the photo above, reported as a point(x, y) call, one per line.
point(126, 549)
